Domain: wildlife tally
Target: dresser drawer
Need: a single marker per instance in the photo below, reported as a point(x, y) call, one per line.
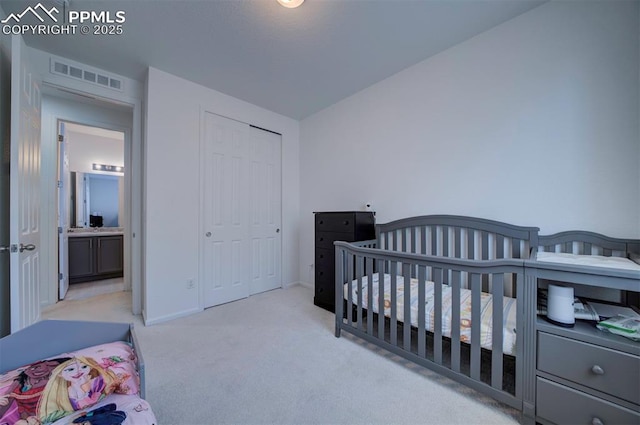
point(325, 240)
point(336, 222)
point(325, 258)
point(596, 367)
point(564, 405)
point(325, 290)
point(325, 274)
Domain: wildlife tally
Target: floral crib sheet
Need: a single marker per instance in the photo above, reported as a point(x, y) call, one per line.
point(486, 309)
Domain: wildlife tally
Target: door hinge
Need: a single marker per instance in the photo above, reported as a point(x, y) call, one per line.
point(60, 138)
point(60, 276)
point(60, 230)
point(59, 184)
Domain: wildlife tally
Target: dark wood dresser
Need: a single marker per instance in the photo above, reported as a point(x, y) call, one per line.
point(348, 226)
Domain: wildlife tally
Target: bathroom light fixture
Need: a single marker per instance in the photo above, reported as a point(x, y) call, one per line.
point(290, 3)
point(109, 168)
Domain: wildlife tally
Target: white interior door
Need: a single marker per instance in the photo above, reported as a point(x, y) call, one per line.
point(63, 212)
point(226, 231)
point(265, 210)
point(241, 214)
point(24, 215)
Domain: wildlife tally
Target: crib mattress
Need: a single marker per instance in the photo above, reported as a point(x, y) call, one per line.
point(486, 309)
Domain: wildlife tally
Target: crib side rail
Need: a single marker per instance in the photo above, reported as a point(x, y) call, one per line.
point(454, 343)
point(458, 237)
point(587, 243)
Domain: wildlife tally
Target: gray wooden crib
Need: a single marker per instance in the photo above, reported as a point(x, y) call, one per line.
point(485, 275)
point(453, 269)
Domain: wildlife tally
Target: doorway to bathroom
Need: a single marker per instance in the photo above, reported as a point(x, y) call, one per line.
point(91, 210)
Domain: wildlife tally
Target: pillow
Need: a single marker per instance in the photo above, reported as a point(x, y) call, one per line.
point(52, 388)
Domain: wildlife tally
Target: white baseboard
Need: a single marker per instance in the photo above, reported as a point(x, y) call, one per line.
point(305, 284)
point(161, 319)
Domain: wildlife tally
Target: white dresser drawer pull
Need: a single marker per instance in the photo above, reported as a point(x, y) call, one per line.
point(598, 371)
point(596, 421)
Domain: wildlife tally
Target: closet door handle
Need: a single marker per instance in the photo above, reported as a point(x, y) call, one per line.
point(597, 370)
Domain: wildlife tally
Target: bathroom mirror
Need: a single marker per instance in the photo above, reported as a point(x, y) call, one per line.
point(95, 195)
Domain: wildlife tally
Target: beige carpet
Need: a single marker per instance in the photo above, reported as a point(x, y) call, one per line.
point(273, 359)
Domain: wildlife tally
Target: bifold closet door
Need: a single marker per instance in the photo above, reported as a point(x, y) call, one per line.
point(241, 210)
point(265, 207)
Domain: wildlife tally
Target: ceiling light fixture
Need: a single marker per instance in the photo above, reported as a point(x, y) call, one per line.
point(290, 3)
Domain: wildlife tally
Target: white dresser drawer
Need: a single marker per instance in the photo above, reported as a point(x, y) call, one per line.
point(603, 369)
point(564, 405)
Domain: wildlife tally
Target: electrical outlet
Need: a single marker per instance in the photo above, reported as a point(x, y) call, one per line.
point(190, 284)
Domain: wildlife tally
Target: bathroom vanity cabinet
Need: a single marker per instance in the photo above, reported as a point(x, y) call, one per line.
point(95, 257)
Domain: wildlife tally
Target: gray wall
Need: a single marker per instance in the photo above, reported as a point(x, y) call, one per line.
point(534, 122)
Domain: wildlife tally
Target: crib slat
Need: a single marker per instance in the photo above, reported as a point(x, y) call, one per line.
point(437, 315)
point(485, 256)
point(434, 240)
point(445, 241)
point(515, 248)
point(423, 240)
point(497, 292)
point(475, 326)
point(406, 272)
point(369, 268)
point(455, 321)
point(606, 252)
point(568, 248)
point(413, 232)
point(471, 245)
point(458, 242)
point(485, 246)
point(499, 246)
point(394, 303)
point(349, 260)
point(587, 248)
point(403, 233)
point(359, 273)
point(380, 264)
point(422, 336)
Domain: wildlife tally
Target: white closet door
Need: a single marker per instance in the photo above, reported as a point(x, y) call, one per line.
point(265, 208)
point(241, 248)
point(226, 262)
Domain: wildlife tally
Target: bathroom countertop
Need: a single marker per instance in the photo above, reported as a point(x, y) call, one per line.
point(90, 232)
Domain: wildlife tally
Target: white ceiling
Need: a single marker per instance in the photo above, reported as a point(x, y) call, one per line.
point(291, 61)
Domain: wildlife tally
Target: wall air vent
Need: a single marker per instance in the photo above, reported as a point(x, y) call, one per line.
point(86, 74)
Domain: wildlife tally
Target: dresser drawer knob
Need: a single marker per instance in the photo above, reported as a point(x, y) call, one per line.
point(598, 371)
point(346, 222)
point(596, 421)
